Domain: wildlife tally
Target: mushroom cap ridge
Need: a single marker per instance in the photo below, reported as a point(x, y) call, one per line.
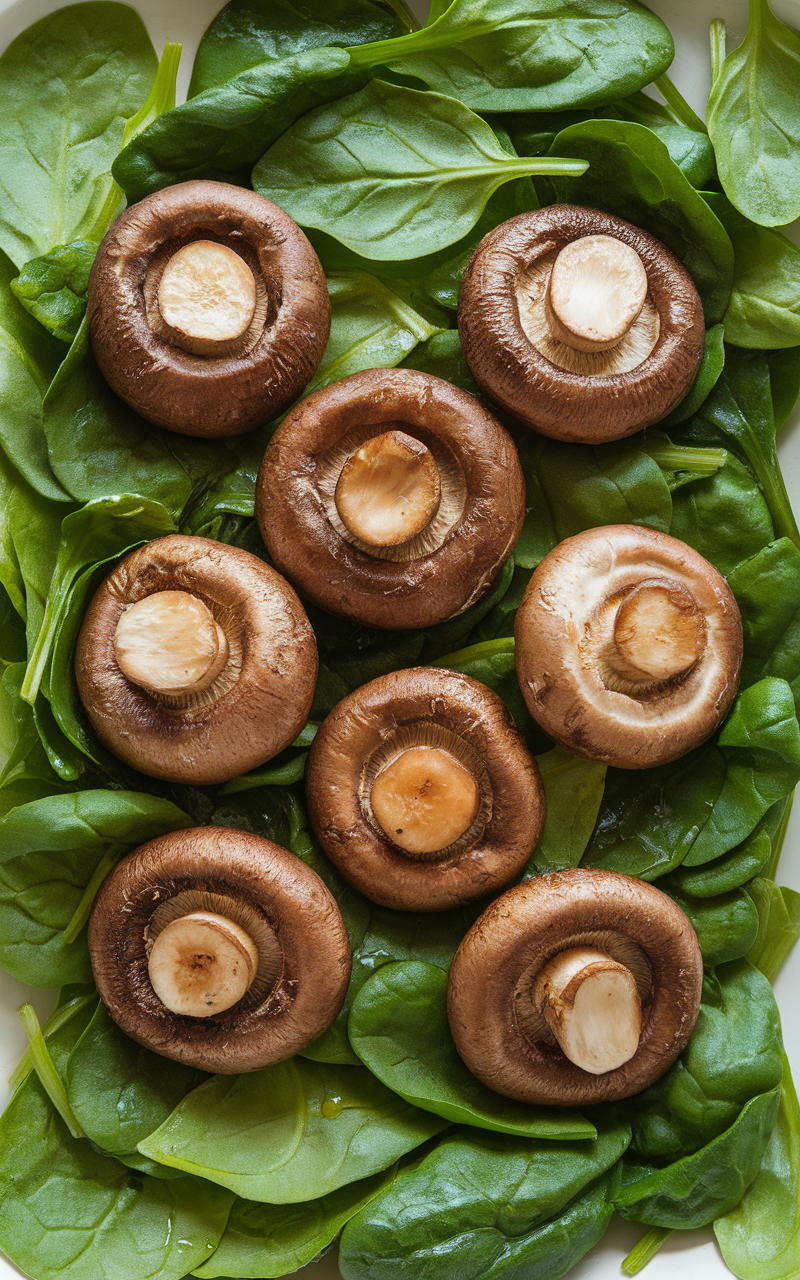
point(265, 707)
point(490, 1004)
point(340, 577)
point(366, 720)
point(270, 881)
point(515, 375)
point(557, 666)
point(190, 394)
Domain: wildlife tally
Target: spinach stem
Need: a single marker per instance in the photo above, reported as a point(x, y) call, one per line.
point(83, 910)
point(702, 462)
point(719, 41)
point(45, 1069)
point(485, 649)
point(678, 104)
point(646, 1249)
point(57, 1019)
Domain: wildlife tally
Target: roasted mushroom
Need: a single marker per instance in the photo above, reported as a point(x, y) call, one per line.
point(576, 987)
point(422, 792)
point(219, 949)
point(628, 646)
point(579, 324)
point(195, 661)
point(391, 498)
point(208, 309)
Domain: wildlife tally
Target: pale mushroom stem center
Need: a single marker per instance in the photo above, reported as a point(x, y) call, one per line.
point(206, 297)
point(170, 643)
point(596, 291)
point(424, 799)
point(388, 490)
point(659, 632)
point(591, 1005)
point(202, 964)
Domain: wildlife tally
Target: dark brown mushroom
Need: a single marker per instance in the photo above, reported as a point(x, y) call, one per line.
point(195, 661)
point(580, 324)
point(208, 309)
point(576, 987)
point(219, 949)
point(422, 791)
point(391, 498)
point(628, 646)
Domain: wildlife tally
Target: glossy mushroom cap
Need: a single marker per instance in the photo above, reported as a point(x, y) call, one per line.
point(195, 661)
point(391, 498)
point(581, 325)
point(208, 309)
point(628, 646)
point(219, 949)
point(628, 991)
point(422, 791)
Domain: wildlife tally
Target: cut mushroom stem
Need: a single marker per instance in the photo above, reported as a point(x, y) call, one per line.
point(207, 298)
point(170, 643)
point(592, 1007)
point(424, 799)
point(389, 490)
point(202, 964)
point(659, 632)
point(596, 291)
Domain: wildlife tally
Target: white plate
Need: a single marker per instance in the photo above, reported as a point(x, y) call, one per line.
point(693, 1254)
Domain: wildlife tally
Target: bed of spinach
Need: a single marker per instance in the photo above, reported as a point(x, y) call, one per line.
point(397, 149)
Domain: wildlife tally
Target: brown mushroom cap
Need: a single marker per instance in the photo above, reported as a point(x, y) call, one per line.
point(628, 646)
point(387, 719)
point(582, 395)
point(139, 353)
point(257, 702)
point(437, 573)
point(292, 918)
point(499, 1032)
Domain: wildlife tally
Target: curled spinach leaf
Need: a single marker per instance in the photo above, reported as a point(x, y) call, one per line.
point(54, 288)
point(311, 1128)
point(509, 55)
point(754, 124)
point(398, 1027)
point(391, 172)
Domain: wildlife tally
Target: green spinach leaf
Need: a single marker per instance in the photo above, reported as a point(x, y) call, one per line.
point(54, 287)
point(391, 172)
point(764, 310)
point(725, 517)
point(707, 377)
point(398, 1027)
point(311, 1128)
point(574, 791)
point(767, 590)
point(778, 925)
point(726, 925)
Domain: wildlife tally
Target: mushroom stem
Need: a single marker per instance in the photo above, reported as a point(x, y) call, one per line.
point(659, 632)
point(592, 1007)
point(424, 799)
point(596, 291)
point(207, 298)
point(388, 490)
point(202, 964)
point(170, 643)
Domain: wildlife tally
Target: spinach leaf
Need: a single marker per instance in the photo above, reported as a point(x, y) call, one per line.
point(443, 356)
point(28, 361)
point(509, 55)
point(778, 926)
point(764, 310)
point(731, 870)
point(67, 86)
point(398, 1027)
point(574, 791)
point(27, 774)
point(483, 1206)
point(119, 1091)
point(273, 1240)
point(221, 133)
point(753, 121)
point(66, 1208)
point(708, 374)
point(725, 517)
point(247, 32)
point(311, 1128)
point(703, 1186)
point(30, 529)
point(767, 590)
point(726, 925)
point(54, 287)
point(784, 383)
point(760, 1237)
point(631, 174)
point(49, 850)
point(391, 172)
